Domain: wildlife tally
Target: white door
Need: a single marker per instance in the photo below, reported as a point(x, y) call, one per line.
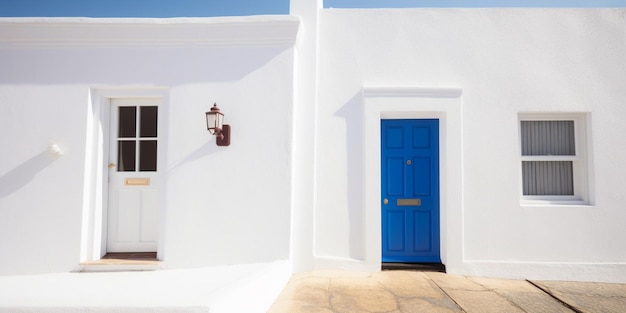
point(132, 221)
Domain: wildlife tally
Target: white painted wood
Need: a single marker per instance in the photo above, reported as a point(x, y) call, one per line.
point(132, 209)
point(149, 215)
point(128, 215)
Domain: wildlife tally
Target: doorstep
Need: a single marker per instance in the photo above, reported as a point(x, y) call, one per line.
point(118, 262)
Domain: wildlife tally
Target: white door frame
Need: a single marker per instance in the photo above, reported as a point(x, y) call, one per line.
point(95, 193)
point(444, 104)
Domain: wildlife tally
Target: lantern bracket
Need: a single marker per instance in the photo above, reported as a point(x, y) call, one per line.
point(223, 139)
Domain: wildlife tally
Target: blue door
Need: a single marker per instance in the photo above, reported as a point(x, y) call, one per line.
point(410, 190)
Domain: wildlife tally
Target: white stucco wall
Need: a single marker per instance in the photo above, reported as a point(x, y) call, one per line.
point(40, 195)
point(304, 121)
point(506, 62)
point(219, 205)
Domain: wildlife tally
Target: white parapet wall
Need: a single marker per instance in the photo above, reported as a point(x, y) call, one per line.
point(238, 288)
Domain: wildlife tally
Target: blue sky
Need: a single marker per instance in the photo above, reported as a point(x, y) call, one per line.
point(207, 8)
point(141, 8)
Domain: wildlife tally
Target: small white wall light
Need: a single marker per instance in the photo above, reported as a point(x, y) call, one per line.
point(55, 151)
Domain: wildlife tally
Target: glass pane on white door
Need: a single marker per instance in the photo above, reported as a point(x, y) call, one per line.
point(127, 122)
point(147, 155)
point(148, 121)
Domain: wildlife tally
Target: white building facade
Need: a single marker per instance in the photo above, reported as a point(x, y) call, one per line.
point(307, 177)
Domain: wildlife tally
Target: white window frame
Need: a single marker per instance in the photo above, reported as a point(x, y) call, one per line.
point(579, 161)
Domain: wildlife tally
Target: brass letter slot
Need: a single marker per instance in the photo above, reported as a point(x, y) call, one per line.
point(137, 181)
point(409, 202)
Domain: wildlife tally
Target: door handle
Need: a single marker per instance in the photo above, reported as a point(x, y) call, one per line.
point(112, 165)
point(386, 201)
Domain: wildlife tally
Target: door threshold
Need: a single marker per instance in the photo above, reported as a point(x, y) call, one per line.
point(423, 267)
point(131, 256)
point(123, 261)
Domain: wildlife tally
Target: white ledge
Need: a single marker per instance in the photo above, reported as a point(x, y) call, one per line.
point(432, 92)
point(176, 32)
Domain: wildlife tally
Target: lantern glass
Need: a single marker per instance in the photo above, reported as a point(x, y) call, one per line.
point(214, 120)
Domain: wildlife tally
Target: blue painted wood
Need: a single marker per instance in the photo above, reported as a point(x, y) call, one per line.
point(410, 170)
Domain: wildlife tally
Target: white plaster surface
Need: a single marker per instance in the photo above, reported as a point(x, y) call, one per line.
point(507, 62)
point(218, 205)
point(239, 288)
point(299, 180)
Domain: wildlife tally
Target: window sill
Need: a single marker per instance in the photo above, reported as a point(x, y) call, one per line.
point(555, 203)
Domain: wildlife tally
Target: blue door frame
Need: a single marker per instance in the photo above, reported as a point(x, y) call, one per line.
point(410, 190)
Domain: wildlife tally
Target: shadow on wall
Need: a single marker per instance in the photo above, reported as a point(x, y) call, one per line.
point(133, 65)
point(203, 151)
point(352, 113)
point(18, 177)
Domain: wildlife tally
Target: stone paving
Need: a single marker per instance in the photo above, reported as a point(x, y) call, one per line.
point(413, 291)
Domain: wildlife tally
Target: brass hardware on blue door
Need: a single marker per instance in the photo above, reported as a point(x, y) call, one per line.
point(409, 202)
point(408, 162)
point(386, 201)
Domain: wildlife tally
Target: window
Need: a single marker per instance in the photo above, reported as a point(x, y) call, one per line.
point(137, 139)
point(553, 150)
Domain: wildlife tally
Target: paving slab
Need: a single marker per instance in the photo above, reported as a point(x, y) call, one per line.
point(472, 296)
point(304, 293)
point(402, 291)
point(389, 292)
point(523, 294)
point(362, 300)
point(588, 297)
point(416, 292)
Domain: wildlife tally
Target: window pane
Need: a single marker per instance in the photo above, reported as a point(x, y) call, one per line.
point(543, 178)
point(147, 155)
point(127, 121)
point(126, 156)
point(148, 122)
point(548, 138)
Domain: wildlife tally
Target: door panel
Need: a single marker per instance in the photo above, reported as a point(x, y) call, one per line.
point(395, 169)
point(149, 215)
point(129, 215)
point(395, 224)
point(395, 138)
point(421, 137)
point(421, 168)
point(410, 190)
point(422, 238)
point(132, 222)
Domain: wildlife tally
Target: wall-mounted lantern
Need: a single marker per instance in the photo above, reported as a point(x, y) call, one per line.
point(215, 125)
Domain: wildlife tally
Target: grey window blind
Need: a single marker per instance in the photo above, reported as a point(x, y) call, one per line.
point(548, 138)
point(543, 178)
